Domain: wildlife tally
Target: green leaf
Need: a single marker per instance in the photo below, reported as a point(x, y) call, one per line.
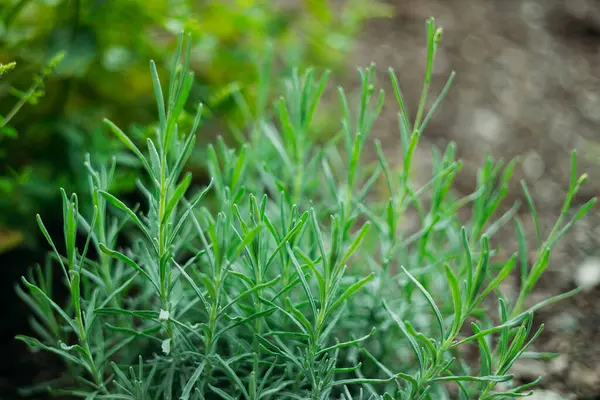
point(314, 269)
point(319, 237)
point(272, 348)
point(121, 206)
point(523, 256)
point(484, 352)
point(438, 101)
point(175, 112)
point(154, 157)
point(346, 344)
point(492, 378)
point(76, 299)
point(299, 317)
point(35, 345)
point(160, 102)
point(187, 389)
point(221, 393)
point(362, 381)
point(486, 332)
point(404, 116)
point(243, 321)
point(195, 287)
point(355, 155)
point(546, 303)
point(130, 145)
point(51, 243)
point(456, 300)
point(349, 292)
point(411, 340)
point(120, 311)
point(430, 300)
point(176, 197)
point(249, 292)
point(190, 208)
point(305, 285)
point(531, 204)
point(481, 271)
point(356, 242)
point(288, 129)
point(239, 167)
point(503, 395)
point(123, 258)
point(508, 267)
point(468, 258)
point(304, 325)
point(285, 241)
point(39, 292)
point(234, 377)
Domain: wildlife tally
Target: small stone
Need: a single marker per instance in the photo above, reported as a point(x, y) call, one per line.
point(559, 365)
point(533, 165)
point(489, 125)
point(587, 275)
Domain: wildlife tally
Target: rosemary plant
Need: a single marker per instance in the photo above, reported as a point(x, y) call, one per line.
point(287, 276)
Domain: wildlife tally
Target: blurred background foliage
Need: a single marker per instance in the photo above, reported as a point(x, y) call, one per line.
point(105, 47)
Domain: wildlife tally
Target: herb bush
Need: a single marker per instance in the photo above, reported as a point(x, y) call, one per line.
point(294, 280)
point(106, 46)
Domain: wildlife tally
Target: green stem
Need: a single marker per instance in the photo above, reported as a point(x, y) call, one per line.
point(162, 238)
point(432, 46)
point(17, 107)
point(210, 339)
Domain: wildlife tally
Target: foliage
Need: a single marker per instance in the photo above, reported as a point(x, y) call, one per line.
point(107, 45)
point(32, 95)
point(293, 282)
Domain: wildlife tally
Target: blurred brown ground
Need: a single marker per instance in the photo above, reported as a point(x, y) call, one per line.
point(527, 85)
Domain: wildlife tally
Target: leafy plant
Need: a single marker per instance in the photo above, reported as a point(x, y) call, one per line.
point(284, 278)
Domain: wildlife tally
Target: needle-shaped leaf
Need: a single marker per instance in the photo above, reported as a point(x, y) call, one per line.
point(305, 286)
point(231, 373)
point(411, 340)
point(35, 344)
point(37, 291)
point(355, 287)
point(160, 102)
point(285, 241)
point(177, 196)
point(491, 378)
point(194, 287)
point(130, 145)
point(434, 307)
point(243, 321)
point(189, 386)
point(121, 206)
point(456, 299)
point(51, 243)
point(123, 258)
point(346, 344)
point(356, 242)
point(248, 292)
